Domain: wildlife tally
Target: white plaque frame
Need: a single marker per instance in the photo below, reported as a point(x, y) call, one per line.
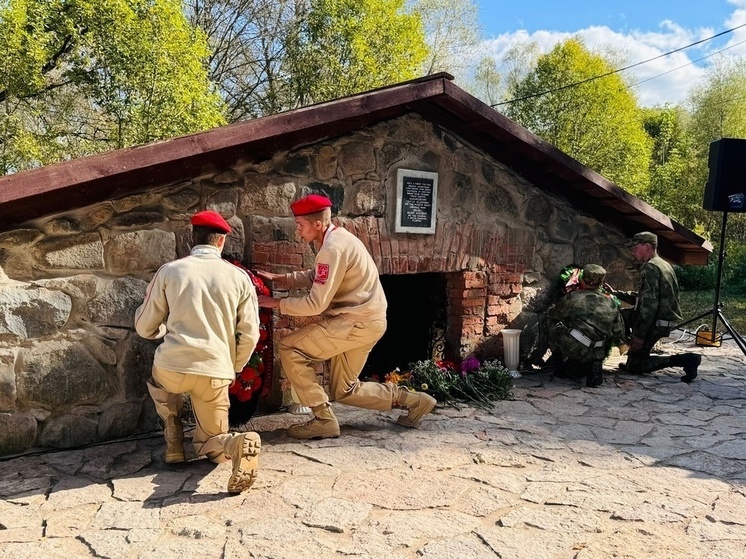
point(406, 175)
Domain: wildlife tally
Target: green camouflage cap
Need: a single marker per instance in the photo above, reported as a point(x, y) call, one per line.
point(644, 237)
point(593, 274)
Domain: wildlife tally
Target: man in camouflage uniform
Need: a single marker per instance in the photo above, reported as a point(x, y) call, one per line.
point(656, 310)
point(583, 324)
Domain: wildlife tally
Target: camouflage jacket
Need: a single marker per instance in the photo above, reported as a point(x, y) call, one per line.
point(656, 300)
point(592, 313)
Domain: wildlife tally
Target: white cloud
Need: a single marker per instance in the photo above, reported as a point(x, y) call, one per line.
point(677, 72)
point(738, 17)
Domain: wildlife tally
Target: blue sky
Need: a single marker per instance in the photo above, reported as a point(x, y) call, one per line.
point(505, 16)
point(638, 29)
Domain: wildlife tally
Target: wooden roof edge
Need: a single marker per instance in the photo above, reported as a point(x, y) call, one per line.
point(692, 258)
point(437, 89)
point(681, 237)
point(126, 160)
point(689, 235)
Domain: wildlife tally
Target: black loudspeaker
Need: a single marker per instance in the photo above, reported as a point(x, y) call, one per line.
point(725, 190)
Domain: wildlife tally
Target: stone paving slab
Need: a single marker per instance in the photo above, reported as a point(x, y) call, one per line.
point(641, 467)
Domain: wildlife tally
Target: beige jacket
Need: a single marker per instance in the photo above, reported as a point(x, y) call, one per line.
point(205, 309)
point(344, 282)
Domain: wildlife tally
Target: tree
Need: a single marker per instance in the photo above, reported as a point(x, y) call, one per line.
point(83, 76)
point(274, 55)
point(718, 103)
point(672, 163)
point(487, 82)
point(452, 33)
point(347, 46)
point(597, 122)
point(718, 110)
point(248, 40)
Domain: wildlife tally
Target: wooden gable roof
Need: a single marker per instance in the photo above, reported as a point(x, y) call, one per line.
point(80, 182)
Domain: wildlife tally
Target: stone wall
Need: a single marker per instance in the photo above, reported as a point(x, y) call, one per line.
point(72, 370)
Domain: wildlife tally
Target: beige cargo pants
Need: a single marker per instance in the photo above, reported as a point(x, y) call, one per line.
point(347, 344)
point(209, 397)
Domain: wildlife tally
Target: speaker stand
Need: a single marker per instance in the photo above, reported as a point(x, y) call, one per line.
point(717, 313)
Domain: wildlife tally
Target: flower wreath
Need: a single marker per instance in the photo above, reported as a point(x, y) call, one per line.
point(244, 392)
point(570, 280)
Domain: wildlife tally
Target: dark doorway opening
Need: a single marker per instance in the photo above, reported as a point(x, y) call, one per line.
point(416, 323)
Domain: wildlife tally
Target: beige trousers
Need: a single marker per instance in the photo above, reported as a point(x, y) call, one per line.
point(209, 397)
point(347, 344)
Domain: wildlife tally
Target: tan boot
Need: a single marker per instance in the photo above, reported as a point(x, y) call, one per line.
point(174, 433)
point(243, 449)
point(324, 425)
point(418, 405)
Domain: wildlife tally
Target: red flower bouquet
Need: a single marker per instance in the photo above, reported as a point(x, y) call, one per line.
point(255, 380)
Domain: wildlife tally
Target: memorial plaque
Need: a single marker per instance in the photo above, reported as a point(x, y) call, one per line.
point(416, 201)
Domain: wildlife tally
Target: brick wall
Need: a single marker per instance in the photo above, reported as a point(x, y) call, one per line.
point(480, 303)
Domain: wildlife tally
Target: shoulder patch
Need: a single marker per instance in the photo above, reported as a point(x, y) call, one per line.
point(322, 273)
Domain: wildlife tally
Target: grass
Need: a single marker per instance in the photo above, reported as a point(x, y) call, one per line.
point(694, 303)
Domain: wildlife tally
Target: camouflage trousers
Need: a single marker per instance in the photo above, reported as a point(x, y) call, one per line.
point(640, 361)
point(561, 342)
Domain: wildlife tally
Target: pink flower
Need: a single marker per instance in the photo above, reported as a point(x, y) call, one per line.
point(469, 365)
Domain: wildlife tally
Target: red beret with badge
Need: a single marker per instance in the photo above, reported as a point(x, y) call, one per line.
point(311, 204)
point(211, 219)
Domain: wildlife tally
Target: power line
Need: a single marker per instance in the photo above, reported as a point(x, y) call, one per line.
point(689, 63)
point(561, 88)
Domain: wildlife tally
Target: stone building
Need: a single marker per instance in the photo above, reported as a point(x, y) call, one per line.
point(79, 241)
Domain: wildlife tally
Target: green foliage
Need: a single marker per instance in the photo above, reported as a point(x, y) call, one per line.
point(84, 76)
point(718, 110)
point(273, 55)
point(718, 103)
point(697, 278)
point(476, 383)
point(703, 278)
point(598, 123)
point(429, 377)
point(694, 303)
point(671, 164)
point(734, 268)
point(347, 46)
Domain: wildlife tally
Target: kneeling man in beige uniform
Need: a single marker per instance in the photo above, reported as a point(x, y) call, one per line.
point(205, 309)
point(346, 291)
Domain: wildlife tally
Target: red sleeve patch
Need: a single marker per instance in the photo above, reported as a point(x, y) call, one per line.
point(322, 273)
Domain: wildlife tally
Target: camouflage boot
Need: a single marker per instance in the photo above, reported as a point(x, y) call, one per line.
point(174, 434)
point(323, 425)
point(243, 449)
point(418, 405)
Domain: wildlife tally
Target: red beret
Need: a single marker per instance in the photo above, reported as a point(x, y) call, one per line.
point(211, 219)
point(310, 204)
